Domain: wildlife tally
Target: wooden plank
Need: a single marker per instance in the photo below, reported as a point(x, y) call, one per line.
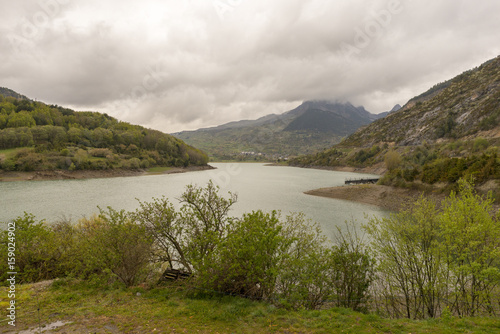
point(175, 274)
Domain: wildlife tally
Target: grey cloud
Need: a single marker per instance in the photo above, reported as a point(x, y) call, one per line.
point(178, 65)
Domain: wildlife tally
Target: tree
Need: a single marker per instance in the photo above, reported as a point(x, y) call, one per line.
point(161, 222)
point(7, 107)
point(430, 259)
point(166, 146)
point(57, 135)
point(42, 116)
point(3, 121)
point(185, 239)
point(21, 119)
point(410, 263)
point(471, 244)
point(102, 137)
point(75, 135)
point(124, 247)
point(35, 252)
point(392, 160)
point(248, 261)
point(205, 217)
point(81, 159)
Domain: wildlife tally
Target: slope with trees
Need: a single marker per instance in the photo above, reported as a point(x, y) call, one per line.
point(450, 131)
point(37, 136)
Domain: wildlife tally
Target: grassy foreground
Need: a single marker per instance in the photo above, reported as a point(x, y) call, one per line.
point(169, 309)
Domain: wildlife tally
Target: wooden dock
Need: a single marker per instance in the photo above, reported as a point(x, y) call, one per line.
point(362, 181)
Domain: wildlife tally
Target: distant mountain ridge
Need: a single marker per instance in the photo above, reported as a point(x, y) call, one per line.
point(9, 92)
point(338, 118)
point(395, 108)
point(312, 126)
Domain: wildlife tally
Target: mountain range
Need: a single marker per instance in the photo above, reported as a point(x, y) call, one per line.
point(449, 132)
point(312, 126)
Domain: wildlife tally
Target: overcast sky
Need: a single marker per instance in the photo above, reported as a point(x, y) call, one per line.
point(179, 65)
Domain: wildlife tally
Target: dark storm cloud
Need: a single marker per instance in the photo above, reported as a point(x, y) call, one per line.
point(177, 65)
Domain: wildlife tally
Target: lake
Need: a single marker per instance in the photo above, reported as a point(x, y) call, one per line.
point(258, 187)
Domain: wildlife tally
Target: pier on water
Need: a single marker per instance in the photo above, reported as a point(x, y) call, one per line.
point(362, 181)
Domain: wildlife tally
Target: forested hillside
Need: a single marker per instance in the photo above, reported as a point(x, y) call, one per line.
point(448, 132)
point(37, 136)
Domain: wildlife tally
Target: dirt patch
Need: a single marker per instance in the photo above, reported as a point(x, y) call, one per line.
point(390, 198)
point(42, 285)
point(67, 175)
point(46, 328)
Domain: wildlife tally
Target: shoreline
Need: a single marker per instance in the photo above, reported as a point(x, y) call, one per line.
point(377, 169)
point(49, 175)
point(386, 197)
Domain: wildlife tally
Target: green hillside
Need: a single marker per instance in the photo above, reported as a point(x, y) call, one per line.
point(448, 132)
point(37, 136)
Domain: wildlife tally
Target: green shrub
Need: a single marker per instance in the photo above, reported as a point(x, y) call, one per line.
point(354, 272)
point(36, 253)
point(480, 144)
point(258, 256)
point(100, 152)
point(81, 159)
point(392, 160)
point(8, 164)
point(99, 164)
point(248, 261)
point(124, 247)
point(30, 162)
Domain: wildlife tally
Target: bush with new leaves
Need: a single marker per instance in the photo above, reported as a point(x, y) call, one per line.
point(431, 260)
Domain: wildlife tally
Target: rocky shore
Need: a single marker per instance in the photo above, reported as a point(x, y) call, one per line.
point(90, 174)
